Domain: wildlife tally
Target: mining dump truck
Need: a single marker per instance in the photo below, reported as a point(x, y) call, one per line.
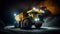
point(32, 17)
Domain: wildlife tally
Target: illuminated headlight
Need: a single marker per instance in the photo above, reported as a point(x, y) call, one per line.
point(35, 9)
point(15, 14)
point(36, 19)
point(42, 11)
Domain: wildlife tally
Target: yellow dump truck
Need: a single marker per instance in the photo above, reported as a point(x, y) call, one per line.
point(31, 17)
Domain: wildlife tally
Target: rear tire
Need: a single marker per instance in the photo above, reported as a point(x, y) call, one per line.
point(38, 26)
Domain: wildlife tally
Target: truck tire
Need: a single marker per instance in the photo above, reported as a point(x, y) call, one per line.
point(38, 25)
point(27, 24)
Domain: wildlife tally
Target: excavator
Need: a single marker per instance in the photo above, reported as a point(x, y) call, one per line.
point(34, 17)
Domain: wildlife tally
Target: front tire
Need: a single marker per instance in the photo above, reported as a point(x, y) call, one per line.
point(27, 24)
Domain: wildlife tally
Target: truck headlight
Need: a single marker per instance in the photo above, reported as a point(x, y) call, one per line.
point(36, 19)
point(42, 11)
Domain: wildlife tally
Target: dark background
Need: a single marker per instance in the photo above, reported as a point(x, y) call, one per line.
point(9, 7)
